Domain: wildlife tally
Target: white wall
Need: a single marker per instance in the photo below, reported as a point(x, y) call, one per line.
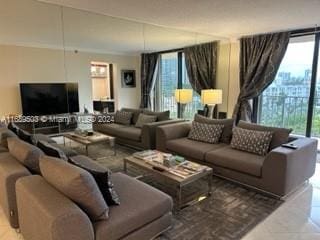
point(29, 64)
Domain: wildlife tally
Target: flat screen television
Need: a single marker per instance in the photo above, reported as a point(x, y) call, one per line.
point(49, 98)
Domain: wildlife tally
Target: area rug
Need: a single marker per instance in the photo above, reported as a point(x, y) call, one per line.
point(230, 213)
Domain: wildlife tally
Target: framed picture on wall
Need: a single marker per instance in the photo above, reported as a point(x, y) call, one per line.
point(128, 78)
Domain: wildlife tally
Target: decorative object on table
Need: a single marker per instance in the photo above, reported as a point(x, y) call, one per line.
point(183, 97)
point(85, 109)
point(210, 98)
point(128, 78)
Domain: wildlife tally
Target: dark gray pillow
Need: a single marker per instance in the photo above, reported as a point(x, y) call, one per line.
point(280, 135)
point(252, 141)
point(51, 151)
point(5, 134)
point(122, 117)
point(77, 184)
point(227, 123)
point(25, 153)
point(101, 175)
point(135, 113)
point(25, 136)
point(144, 119)
point(209, 133)
point(161, 116)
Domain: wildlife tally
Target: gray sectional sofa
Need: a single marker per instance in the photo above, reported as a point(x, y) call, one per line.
point(280, 172)
point(141, 138)
point(41, 210)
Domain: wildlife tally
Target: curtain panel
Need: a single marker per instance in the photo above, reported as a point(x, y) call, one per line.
point(148, 66)
point(260, 58)
point(201, 65)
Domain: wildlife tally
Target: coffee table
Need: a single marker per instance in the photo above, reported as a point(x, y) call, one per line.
point(87, 141)
point(179, 182)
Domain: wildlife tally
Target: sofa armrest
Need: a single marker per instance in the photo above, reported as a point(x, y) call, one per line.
point(45, 213)
point(288, 168)
point(148, 133)
point(169, 132)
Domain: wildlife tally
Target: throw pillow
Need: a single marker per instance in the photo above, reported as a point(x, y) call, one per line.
point(161, 116)
point(227, 123)
point(123, 117)
point(5, 135)
point(25, 136)
point(209, 133)
point(280, 135)
point(51, 151)
point(135, 113)
point(25, 153)
point(77, 184)
point(101, 175)
point(144, 119)
point(257, 142)
point(13, 127)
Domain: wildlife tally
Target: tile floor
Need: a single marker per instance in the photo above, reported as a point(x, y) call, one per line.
point(297, 219)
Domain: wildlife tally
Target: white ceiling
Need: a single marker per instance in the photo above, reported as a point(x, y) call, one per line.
point(226, 18)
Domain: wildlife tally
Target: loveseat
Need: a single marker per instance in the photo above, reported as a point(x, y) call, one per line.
point(129, 134)
point(279, 172)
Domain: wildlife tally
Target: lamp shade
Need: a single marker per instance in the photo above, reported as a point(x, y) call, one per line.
point(211, 96)
point(183, 96)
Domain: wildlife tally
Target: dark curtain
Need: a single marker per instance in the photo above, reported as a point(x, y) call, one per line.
point(148, 67)
point(201, 62)
point(260, 58)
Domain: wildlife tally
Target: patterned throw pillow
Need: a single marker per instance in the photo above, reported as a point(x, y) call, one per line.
point(123, 117)
point(209, 133)
point(257, 142)
point(144, 119)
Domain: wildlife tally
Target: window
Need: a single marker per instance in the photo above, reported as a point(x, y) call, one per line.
point(293, 99)
point(172, 74)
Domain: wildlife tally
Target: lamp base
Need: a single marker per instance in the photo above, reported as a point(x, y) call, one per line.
point(210, 110)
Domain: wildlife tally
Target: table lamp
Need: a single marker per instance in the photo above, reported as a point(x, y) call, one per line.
point(210, 98)
point(183, 97)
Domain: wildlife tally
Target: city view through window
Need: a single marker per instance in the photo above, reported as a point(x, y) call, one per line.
point(285, 102)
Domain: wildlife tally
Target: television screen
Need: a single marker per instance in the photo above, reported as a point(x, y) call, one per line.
point(49, 98)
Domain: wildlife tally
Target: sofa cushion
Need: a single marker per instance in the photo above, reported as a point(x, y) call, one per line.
point(51, 151)
point(161, 116)
point(144, 119)
point(131, 133)
point(25, 153)
point(236, 160)
point(135, 113)
point(5, 135)
point(3, 149)
point(141, 204)
point(209, 133)
point(109, 129)
point(101, 175)
point(227, 123)
point(123, 117)
point(193, 149)
point(257, 142)
point(77, 184)
point(280, 135)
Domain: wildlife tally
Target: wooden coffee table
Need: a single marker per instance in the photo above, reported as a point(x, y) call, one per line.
point(87, 141)
point(178, 182)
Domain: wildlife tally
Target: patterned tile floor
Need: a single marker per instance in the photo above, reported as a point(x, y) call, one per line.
point(297, 219)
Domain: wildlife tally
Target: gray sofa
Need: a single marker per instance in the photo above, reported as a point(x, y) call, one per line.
point(41, 211)
point(280, 172)
point(141, 138)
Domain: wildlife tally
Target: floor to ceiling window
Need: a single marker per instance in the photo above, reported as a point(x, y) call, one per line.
point(172, 74)
point(293, 99)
